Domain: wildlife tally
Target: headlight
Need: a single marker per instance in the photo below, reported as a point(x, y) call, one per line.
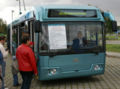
point(97, 67)
point(52, 71)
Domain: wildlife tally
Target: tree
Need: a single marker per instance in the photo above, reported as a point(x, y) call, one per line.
point(118, 27)
point(108, 25)
point(3, 27)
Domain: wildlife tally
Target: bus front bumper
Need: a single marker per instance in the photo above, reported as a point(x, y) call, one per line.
point(57, 73)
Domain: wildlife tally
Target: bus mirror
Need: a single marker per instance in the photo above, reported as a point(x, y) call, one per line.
point(114, 26)
point(37, 26)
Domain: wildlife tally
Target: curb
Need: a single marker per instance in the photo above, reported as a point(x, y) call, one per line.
point(113, 54)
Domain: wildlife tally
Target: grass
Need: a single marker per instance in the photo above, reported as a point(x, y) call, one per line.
point(112, 37)
point(113, 47)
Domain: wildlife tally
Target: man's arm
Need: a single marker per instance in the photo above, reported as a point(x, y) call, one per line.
point(4, 53)
point(33, 61)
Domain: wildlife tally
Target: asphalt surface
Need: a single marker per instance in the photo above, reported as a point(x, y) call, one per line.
point(109, 80)
point(113, 42)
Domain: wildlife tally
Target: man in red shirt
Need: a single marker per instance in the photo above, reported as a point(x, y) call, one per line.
point(26, 62)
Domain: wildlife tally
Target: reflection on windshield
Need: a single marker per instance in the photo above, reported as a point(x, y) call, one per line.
point(82, 35)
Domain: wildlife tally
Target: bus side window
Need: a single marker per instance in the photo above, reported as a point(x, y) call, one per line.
point(14, 40)
point(23, 30)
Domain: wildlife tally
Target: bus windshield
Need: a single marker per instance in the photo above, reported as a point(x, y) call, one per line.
point(71, 37)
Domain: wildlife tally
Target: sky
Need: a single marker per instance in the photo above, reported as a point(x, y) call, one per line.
point(6, 6)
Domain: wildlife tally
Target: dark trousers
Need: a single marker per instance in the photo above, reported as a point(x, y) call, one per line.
point(15, 79)
point(27, 78)
point(3, 73)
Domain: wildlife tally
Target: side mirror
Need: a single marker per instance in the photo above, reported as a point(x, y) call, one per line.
point(114, 26)
point(37, 26)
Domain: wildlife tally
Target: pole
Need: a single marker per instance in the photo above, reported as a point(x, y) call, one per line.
point(20, 7)
point(11, 31)
point(24, 5)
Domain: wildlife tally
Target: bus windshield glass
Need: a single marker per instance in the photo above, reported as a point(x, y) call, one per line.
point(71, 37)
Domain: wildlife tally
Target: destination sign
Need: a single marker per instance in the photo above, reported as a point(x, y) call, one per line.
point(71, 13)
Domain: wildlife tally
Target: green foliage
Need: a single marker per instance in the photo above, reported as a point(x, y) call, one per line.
point(3, 27)
point(112, 37)
point(118, 27)
point(108, 25)
point(113, 47)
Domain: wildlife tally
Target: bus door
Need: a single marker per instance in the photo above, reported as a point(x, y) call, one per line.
point(26, 28)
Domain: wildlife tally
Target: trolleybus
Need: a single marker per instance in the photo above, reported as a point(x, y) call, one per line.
point(69, 41)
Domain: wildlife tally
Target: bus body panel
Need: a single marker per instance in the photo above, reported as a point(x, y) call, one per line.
point(43, 17)
point(64, 66)
point(71, 65)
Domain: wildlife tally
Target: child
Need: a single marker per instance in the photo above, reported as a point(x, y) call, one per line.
point(15, 72)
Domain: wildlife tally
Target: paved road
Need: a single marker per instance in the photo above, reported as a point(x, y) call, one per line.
point(113, 42)
point(110, 80)
point(113, 54)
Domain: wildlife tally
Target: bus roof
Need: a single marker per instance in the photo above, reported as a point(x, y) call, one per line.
point(66, 7)
point(41, 13)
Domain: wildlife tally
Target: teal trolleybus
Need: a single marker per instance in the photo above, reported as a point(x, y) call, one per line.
point(69, 41)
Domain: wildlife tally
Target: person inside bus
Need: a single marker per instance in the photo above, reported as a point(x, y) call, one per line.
point(79, 41)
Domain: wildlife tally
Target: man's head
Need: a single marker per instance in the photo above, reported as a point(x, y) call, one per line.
point(25, 40)
point(2, 39)
point(79, 34)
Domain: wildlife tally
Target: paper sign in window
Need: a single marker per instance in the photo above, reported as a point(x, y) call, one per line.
point(57, 36)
